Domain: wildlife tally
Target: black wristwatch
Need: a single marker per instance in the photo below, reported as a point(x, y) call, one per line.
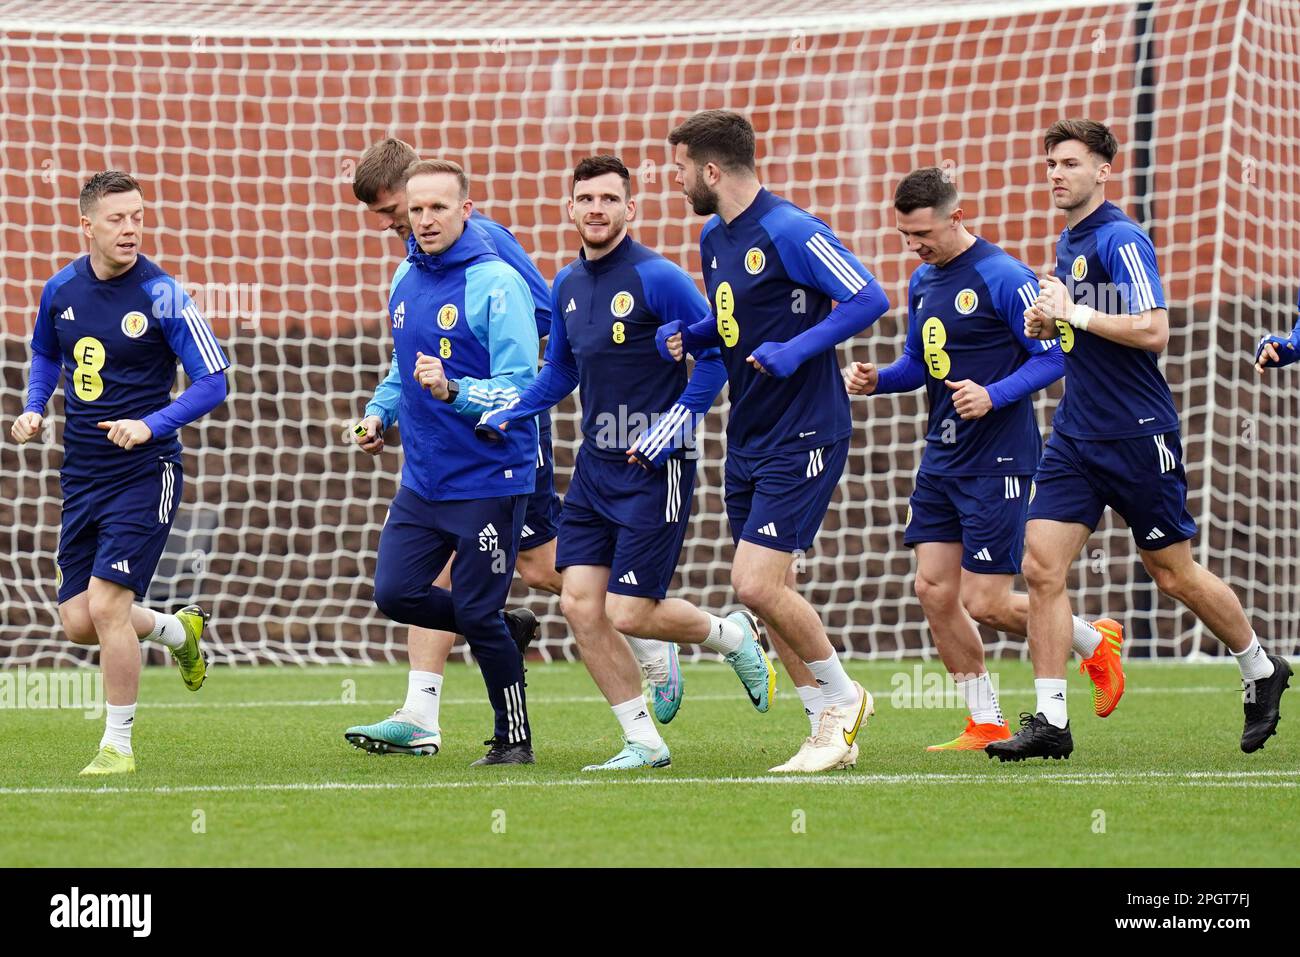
point(453, 390)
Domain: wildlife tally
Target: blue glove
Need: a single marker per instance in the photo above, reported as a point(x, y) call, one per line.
point(492, 424)
point(1287, 352)
point(666, 332)
point(778, 359)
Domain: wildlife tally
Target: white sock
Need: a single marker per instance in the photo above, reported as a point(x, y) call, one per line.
point(1051, 701)
point(814, 703)
point(167, 630)
point(724, 636)
point(1086, 638)
point(653, 658)
point(423, 695)
point(1253, 662)
point(117, 727)
point(981, 699)
point(634, 716)
point(837, 686)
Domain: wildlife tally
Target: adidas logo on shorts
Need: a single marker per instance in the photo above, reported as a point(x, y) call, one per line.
point(629, 579)
point(122, 566)
point(769, 529)
point(1154, 535)
point(983, 555)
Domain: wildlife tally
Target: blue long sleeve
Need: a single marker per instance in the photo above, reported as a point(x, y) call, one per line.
point(203, 395)
point(846, 320)
point(553, 383)
point(905, 374)
point(498, 303)
point(388, 396)
point(676, 428)
point(557, 378)
point(42, 381)
point(1038, 372)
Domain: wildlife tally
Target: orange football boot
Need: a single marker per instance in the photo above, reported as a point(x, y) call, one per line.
point(975, 737)
point(1105, 669)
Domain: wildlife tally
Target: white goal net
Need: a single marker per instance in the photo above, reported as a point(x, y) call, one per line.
point(244, 121)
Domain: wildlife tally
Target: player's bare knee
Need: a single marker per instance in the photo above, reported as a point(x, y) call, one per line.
point(935, 595)
point(579, 608)
point(628, 613)
point(753, 591)
point(1173, 582)
point(1042, 576)
point(108, 609)
point(986, 609)
point(77, 625)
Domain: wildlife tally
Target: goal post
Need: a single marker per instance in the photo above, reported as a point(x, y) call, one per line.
point(244, 125)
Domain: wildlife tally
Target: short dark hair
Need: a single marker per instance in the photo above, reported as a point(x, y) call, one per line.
point(429, 167)
point(717, 136)
point(1096, 136)
point(594, 166)
point(927, 187)
point(101, 184)
point(382, 169)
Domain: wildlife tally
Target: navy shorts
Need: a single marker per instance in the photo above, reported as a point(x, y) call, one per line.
point(778, 500)
point(541, 521)
point(986, 513)
point(1142, 479)
point(117, 529)
point(627, 519)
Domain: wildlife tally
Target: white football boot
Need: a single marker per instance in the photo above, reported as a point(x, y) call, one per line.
point(834, 745)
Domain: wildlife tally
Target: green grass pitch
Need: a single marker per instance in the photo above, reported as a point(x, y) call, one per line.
point(254, 770)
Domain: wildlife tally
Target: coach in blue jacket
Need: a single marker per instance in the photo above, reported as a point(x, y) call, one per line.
point(466, 343)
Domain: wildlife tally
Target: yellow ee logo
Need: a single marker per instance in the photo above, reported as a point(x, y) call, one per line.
point(724, 301)
point(933, 338)
point(1079, 269)
point(1067, 334)
point(622, 304)
point(619, 333)
point(444, 348)
point(966, 301)
point(134, 324)
point(755, 261)
point(90, 357)
point(447, 317)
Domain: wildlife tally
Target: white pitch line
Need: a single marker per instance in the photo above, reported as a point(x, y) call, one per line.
point(543, 699)
point(1178, 778)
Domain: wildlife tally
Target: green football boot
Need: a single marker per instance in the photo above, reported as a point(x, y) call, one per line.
point(189, 657)
point(110, 761)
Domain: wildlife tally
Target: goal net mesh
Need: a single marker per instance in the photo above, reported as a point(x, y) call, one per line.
point(245, 120)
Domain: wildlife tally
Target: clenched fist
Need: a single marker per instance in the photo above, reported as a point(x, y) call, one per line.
point(860, 378)
point(27, 427)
